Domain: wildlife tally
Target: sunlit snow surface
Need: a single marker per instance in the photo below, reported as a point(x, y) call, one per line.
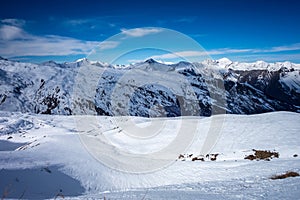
point(42, 156)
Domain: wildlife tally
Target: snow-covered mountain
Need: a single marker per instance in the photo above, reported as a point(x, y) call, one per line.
point(150, 88)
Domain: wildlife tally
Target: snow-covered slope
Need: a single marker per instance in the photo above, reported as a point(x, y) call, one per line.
point(49, 158)
point(150, 88)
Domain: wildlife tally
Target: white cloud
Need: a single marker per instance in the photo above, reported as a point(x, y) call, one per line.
point(108, 45)
point(186, 19)
point(184, 54)
point(197, 35)
point(92, 23)
point(112, 25)
point(179, 54)
point(228, 51)
point(135, 60)
point(291, 47)
point(14, 41)
point(140, 32)
point(8, 32)
point(78, 22)
point(14, 22)
point(267, 57)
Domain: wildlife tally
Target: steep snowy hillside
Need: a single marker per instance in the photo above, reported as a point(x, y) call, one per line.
point(150, 88)
point(46, 156)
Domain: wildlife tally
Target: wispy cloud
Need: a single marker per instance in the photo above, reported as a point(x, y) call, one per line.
point(13, 22)
point(95, 22)
point(180, 54)
point(291, 47)
point(14, 41)
point(258, 53)
point(199, 53)
point(77, 22)
point(135, 60)
point(108, 45)
point(186, 19)
point(46, 46)
point(8, 32)
point(277, 49)
point(227, 51)
point(295, 57)
point(197, 35)
point(140, 32)
point(183, 19)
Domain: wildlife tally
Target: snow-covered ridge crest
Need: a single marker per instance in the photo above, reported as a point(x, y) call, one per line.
point(221, 63)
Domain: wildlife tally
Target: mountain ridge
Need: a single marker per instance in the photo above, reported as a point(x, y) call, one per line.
point(247, 88)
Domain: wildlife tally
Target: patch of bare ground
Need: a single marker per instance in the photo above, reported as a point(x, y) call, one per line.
point(285, 175)
point(192, 157)
point(262, 155)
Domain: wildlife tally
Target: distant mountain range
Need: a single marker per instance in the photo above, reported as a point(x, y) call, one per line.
point(150, 88)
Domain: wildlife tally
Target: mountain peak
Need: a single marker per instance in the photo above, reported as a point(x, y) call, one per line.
point(1, 58)
point(82, 60)
point(150, 61)
point(224, 61)
point(50, 62)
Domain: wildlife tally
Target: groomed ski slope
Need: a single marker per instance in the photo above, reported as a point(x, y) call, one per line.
point(45, 156)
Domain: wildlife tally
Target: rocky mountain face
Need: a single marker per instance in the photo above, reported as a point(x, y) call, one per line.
point(150, 88)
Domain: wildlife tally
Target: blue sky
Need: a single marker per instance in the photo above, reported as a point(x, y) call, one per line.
point(241, 30)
